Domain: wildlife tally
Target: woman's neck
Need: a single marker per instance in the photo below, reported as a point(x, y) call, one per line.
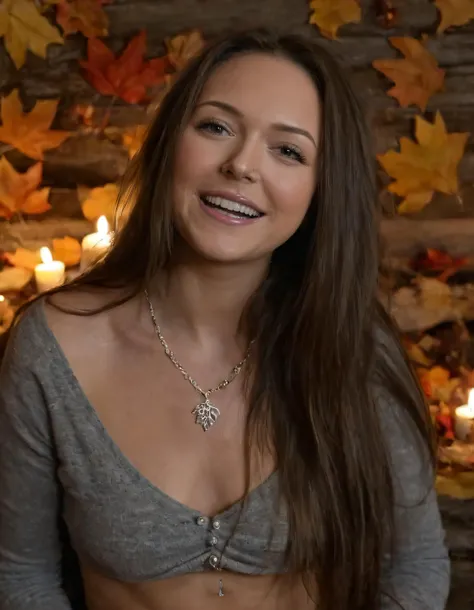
point(206, 299)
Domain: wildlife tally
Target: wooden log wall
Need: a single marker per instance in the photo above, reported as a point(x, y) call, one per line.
point(92, 161)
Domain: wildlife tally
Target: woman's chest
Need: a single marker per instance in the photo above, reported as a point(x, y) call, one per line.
point(146, 411)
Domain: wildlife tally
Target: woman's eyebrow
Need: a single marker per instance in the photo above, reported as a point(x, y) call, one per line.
point(277, 126)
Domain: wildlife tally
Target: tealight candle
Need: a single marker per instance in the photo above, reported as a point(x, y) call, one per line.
point(95, 245)
point(48, 274)
point(464, 420)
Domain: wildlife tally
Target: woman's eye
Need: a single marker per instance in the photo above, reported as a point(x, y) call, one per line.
point(213, 127)
point(292, 153)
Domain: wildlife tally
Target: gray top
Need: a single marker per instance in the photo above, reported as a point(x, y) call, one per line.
point(54, 452)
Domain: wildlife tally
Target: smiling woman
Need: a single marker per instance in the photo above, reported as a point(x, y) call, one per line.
point(220, 408)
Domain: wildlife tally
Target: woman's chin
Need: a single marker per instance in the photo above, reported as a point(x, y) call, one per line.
point(224, 254)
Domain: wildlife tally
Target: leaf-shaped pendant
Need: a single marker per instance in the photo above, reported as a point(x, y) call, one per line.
point(206, 414)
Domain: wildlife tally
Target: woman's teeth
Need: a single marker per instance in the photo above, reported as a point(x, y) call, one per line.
point(233, 207)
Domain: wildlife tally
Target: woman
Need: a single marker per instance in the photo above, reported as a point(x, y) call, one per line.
point(220, 408)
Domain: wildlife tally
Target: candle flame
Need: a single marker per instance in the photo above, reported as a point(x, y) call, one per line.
point(102, 226)
point(46, 255)
point(2, 298)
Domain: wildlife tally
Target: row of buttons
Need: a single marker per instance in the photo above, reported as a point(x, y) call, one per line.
point(216, 524)
point(204, 521)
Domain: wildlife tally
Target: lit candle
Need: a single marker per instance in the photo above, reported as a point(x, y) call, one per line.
point(3, 306)
point(464, 420)
point(49, 273)
point(95, 245)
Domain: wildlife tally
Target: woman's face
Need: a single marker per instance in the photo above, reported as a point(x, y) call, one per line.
point(245, 168)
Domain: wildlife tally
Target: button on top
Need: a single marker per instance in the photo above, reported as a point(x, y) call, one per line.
point(201, 521)
point(216, 524)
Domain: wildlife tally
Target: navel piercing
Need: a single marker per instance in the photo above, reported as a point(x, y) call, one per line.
point(221, 588)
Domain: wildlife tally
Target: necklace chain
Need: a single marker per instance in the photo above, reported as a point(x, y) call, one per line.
point(206, 413)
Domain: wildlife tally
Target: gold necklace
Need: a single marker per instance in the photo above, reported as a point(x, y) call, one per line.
point(206, 413)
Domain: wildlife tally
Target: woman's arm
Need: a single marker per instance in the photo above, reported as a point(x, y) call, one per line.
point(30, 551)
point(418, 575)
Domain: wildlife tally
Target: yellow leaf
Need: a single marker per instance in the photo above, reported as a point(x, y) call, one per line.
point(416, 77)
point(460, 486)
point(26, 259)
point(100, 201)
point(23, 27)
point(422, 168)
point(18, 192)
point(14, 278)
point(182, 48)
point(29, 132)
point(454, 13)
point(330, 15)
point(133, 139)
point(67, 250)
point(417, 355)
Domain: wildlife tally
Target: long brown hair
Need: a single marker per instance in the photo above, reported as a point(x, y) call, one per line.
point(322, 341)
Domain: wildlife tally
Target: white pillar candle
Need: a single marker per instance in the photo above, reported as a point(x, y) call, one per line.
point(48, 274)
point(95, 245)
point(464, 420)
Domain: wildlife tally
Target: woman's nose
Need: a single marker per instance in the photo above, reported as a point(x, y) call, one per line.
point(243, 163)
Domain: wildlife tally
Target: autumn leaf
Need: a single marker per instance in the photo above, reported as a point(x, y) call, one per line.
point(182, 48)
point(67, 250)
point(128, 76)
point(438, 383)
point(133, 139)
point(29, 132)
point(24, 258)
point(422, 168)
point(99, 201)
point(14, 278)
point(454, 13)
point(85, 16)
point(417, 355)
point(438, 260)
point(460, 486)
point(330, 15)
point(18, 192)
point(23, 27)
point(416, 77)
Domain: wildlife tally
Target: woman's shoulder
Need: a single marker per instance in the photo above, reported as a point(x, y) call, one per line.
point(48, 323)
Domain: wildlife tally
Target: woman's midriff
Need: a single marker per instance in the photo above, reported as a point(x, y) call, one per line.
point(198, 591)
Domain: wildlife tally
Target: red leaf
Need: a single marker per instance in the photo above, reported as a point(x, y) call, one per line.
point(437, 260)
point(99, 56)
point(127, 76)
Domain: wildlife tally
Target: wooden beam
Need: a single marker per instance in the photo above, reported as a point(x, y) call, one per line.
point(405, 238)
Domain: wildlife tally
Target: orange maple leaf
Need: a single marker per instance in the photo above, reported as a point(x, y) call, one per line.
point(330, 15)
point(24, 258)
point(454, 13)
point(29, 132)
point(68, 250)
point(85, 16)
point(128, 76)
point(422, 168)
point(416, 77)
point(18, 192)
point(182, 48)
